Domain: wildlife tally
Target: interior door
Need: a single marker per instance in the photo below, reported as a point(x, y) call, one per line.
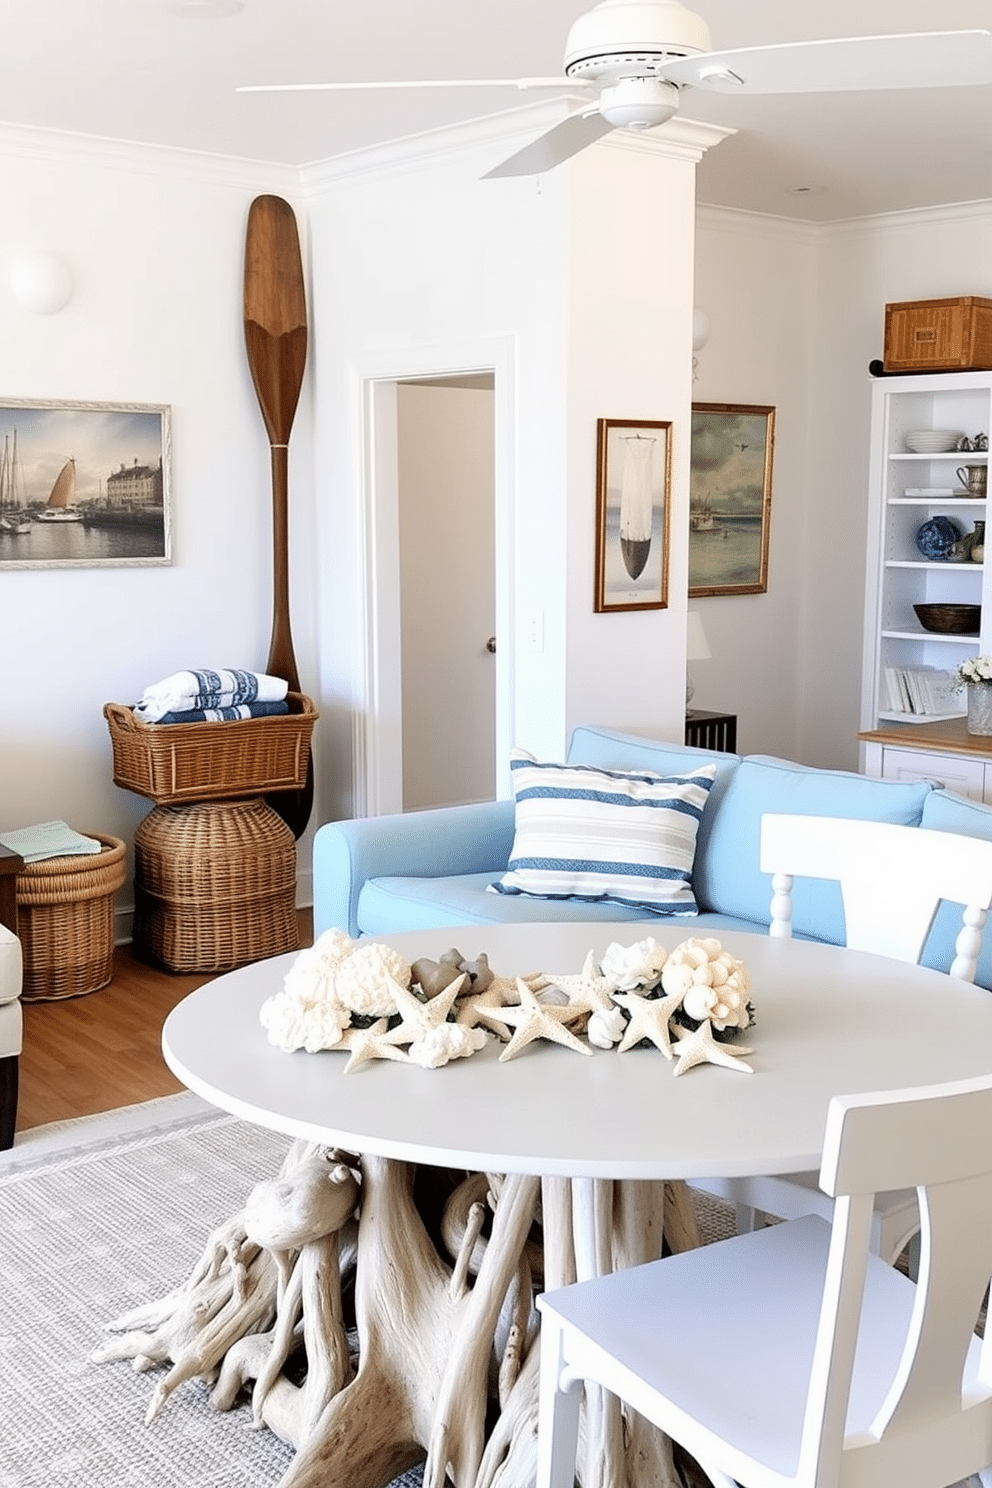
point(445, 465)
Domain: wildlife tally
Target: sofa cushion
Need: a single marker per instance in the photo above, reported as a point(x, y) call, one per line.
point(389, 904)
point(730, 881)
point(11, 966)
point(944, 812)
point(624, 836)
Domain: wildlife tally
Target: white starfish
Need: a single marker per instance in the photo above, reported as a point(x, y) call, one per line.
point(648, 1020)
point(477, 1009)
point(700, 1047)
point(588, 986)
point(532, 1020)
point(416, 1020)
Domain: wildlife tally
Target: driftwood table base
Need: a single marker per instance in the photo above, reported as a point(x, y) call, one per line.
point(382, 1314)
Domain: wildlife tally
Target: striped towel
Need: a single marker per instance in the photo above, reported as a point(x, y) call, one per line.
point(183, 691)
point(225, 715)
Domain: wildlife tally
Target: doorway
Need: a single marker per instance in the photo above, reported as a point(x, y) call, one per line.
point(447, 554)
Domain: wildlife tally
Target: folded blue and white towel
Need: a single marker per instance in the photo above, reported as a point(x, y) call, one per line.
point(205, 688)
point(225, 715)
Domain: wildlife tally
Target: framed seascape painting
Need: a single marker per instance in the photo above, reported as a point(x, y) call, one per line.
point(633, 472)
point(730, 497)
point(84, 485)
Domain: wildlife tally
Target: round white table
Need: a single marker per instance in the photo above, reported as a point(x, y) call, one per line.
point(829, 1021)
point(559, 1135)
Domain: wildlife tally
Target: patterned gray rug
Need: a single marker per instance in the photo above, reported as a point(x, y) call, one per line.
point(95, 1217)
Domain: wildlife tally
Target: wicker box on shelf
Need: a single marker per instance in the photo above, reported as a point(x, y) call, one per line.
point(214, 885)
point(172, 763)
point(65, 921)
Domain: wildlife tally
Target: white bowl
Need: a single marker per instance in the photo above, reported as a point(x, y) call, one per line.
point(932, 441)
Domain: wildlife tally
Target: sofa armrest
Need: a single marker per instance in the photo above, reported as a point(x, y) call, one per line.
point(412, 844)
point(11, 864)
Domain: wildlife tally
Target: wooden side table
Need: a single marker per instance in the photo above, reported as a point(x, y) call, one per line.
point(705, 730)
point(11, 864)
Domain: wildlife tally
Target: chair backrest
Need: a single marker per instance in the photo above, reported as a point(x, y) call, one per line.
point(932, 1398)
point(892, 879)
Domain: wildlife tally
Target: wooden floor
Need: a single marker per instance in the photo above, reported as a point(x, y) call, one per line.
point(88, 1054)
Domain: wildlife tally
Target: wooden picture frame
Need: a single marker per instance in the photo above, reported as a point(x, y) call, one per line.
point(730, 497)
point(633, 481)
point(84, 485)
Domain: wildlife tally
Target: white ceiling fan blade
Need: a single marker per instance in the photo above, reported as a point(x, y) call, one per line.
point(521, 83)
point(564, 140)
point(940, 59)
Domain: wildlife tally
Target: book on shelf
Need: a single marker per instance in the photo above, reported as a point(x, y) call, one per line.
point(921, 690)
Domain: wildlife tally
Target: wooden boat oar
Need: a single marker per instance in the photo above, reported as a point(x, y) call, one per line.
point(275, 316)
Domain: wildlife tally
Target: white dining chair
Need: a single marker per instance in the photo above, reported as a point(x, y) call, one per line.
point(892, 880)
point(792, 1355)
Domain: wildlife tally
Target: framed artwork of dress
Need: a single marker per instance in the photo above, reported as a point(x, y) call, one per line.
point(633, 477)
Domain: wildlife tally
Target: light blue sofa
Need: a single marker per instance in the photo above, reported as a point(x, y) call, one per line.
point(426, 869)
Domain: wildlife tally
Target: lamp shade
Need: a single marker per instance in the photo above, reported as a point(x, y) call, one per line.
point(697, 646)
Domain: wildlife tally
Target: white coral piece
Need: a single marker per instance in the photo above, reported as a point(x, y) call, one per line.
point(712, 982)
point(637, 965)
point(292, 1023)
point(310, 978)
point(362, 982)
point(606, 1029)
point(445, 1042)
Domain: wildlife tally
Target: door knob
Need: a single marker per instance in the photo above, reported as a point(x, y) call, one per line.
point(491, 645)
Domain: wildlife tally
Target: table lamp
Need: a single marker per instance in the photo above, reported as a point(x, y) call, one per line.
point(696, 648)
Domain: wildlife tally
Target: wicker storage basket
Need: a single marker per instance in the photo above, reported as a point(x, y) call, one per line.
point(172, 763)
point(214, 885)
point(65, 921)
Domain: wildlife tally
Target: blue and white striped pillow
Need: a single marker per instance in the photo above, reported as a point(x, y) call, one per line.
point(624, 836)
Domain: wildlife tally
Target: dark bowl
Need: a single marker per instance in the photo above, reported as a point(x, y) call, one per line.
point(949, 619)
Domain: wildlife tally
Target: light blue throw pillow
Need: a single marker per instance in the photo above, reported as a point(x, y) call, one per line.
point(628, 837)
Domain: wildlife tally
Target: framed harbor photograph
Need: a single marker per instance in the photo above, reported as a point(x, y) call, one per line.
point(633, 473)
point(730, 497)
point(84, 485)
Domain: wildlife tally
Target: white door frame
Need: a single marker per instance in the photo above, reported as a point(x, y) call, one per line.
point(379, 731)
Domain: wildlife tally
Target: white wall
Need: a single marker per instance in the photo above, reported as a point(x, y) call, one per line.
point(581, 281)
point(155, 244)
point(424, 263)
point(756, 278)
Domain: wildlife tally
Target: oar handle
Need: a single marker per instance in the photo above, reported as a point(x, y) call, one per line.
point(282, 661)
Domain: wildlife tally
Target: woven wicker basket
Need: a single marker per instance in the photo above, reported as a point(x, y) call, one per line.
point(215, 885)
point(172, 763)
point(65, 921)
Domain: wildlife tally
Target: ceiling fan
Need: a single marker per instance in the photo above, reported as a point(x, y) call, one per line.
point(638, 54)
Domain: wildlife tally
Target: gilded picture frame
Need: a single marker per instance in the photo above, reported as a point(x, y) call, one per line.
point(730, 497)
point(84, 485)
point(633, 482)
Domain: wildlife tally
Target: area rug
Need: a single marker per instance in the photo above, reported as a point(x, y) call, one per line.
point(97, 1216)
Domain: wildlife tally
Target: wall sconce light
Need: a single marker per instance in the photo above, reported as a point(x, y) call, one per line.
point(696, 648)
point(41, 282)
point(700, 336)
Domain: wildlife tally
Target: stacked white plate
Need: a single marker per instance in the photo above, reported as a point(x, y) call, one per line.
point(932, 441)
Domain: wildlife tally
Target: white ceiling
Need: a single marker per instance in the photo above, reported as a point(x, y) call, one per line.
point(135, 70)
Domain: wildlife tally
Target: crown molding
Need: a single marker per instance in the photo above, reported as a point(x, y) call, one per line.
point(737, 220)
point(27, 142)
point(949, 214)
point(682, 139)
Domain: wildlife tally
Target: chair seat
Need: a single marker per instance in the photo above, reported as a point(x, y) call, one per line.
point(740, 1371)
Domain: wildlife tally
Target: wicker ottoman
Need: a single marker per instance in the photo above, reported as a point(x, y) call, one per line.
point(214, 885)
point(65, 921)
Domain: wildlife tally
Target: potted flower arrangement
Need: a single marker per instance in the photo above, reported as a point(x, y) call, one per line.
point(975, 674)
